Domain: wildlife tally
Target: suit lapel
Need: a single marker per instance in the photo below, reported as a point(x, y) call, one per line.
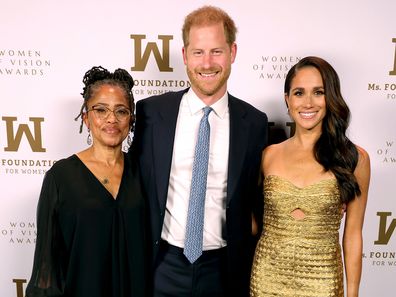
point(239, 131)
point(163, 138)
point(164, 135)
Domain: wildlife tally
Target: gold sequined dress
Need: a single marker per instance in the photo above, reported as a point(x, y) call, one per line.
point(299, 258)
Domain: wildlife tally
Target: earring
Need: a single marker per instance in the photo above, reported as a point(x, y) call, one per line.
point(128, 143)
point(89, 138)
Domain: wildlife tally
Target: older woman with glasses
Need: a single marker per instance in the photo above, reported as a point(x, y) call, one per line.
point(91, 212)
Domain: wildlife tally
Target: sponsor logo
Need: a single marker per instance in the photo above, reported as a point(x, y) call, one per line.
point(142, 56)
point(14, 139)
point(19, 233)
point(278, 133)
point(382, 256)
point(23, 62)
point(18, 134)
point(25, 166)
point(274, 67)
point(387, 88)
point(384, 232)
point(393, 72)
point(152, 87)
point(19, 286)
point(159, 50)
point(386, 154)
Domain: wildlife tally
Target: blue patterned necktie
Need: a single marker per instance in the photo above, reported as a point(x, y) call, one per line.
point(195, 217)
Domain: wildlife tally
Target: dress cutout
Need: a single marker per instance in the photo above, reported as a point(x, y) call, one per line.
point(299, 258)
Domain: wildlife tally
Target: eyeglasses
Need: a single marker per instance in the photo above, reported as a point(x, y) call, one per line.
point(103, 112)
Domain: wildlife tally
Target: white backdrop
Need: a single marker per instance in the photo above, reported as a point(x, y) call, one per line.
point(46, 47)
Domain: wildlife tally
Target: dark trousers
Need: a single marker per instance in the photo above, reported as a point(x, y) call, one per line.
point(175, 276)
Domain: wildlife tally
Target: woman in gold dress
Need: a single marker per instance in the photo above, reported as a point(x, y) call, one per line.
point(307, 180)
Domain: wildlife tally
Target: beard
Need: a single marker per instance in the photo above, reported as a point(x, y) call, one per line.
point(206, 87)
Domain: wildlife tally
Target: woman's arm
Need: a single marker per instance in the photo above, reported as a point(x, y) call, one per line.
point(353, 240)
point(47, 277)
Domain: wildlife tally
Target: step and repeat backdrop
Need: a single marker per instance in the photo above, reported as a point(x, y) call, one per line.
point(47, 46)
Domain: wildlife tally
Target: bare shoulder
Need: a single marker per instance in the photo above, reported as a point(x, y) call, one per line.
point(364, 158)
point(362, 171)
point(272, 150)
point(271, 154)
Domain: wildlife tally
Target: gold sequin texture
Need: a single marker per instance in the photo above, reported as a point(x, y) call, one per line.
point(299, 258)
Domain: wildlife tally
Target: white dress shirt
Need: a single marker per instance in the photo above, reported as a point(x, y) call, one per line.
point(175, 221)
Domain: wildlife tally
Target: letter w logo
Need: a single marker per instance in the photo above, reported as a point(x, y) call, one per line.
point(385, 234)
point(393, 72)
point(14, 141)
point(142, 59)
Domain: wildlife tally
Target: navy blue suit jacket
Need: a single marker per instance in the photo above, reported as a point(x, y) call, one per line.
point(153, 145)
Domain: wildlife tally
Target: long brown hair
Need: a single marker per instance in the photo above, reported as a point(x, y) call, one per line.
point(333, 150)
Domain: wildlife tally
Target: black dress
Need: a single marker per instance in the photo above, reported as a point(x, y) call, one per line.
point(88, 243)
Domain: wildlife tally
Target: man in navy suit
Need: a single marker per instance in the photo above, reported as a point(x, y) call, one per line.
point(165, 139)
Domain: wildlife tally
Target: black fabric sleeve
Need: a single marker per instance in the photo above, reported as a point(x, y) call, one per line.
point(47, 276)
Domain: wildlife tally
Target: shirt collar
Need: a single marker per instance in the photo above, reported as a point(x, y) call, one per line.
point(220, 107)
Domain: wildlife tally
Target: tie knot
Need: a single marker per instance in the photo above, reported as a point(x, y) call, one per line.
point(207, 110)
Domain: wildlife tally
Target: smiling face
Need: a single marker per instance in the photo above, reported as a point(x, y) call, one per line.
point(108, 132)
point(306, 99)
point(208, 58)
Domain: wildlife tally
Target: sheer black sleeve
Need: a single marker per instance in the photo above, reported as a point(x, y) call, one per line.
point(48, 274)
